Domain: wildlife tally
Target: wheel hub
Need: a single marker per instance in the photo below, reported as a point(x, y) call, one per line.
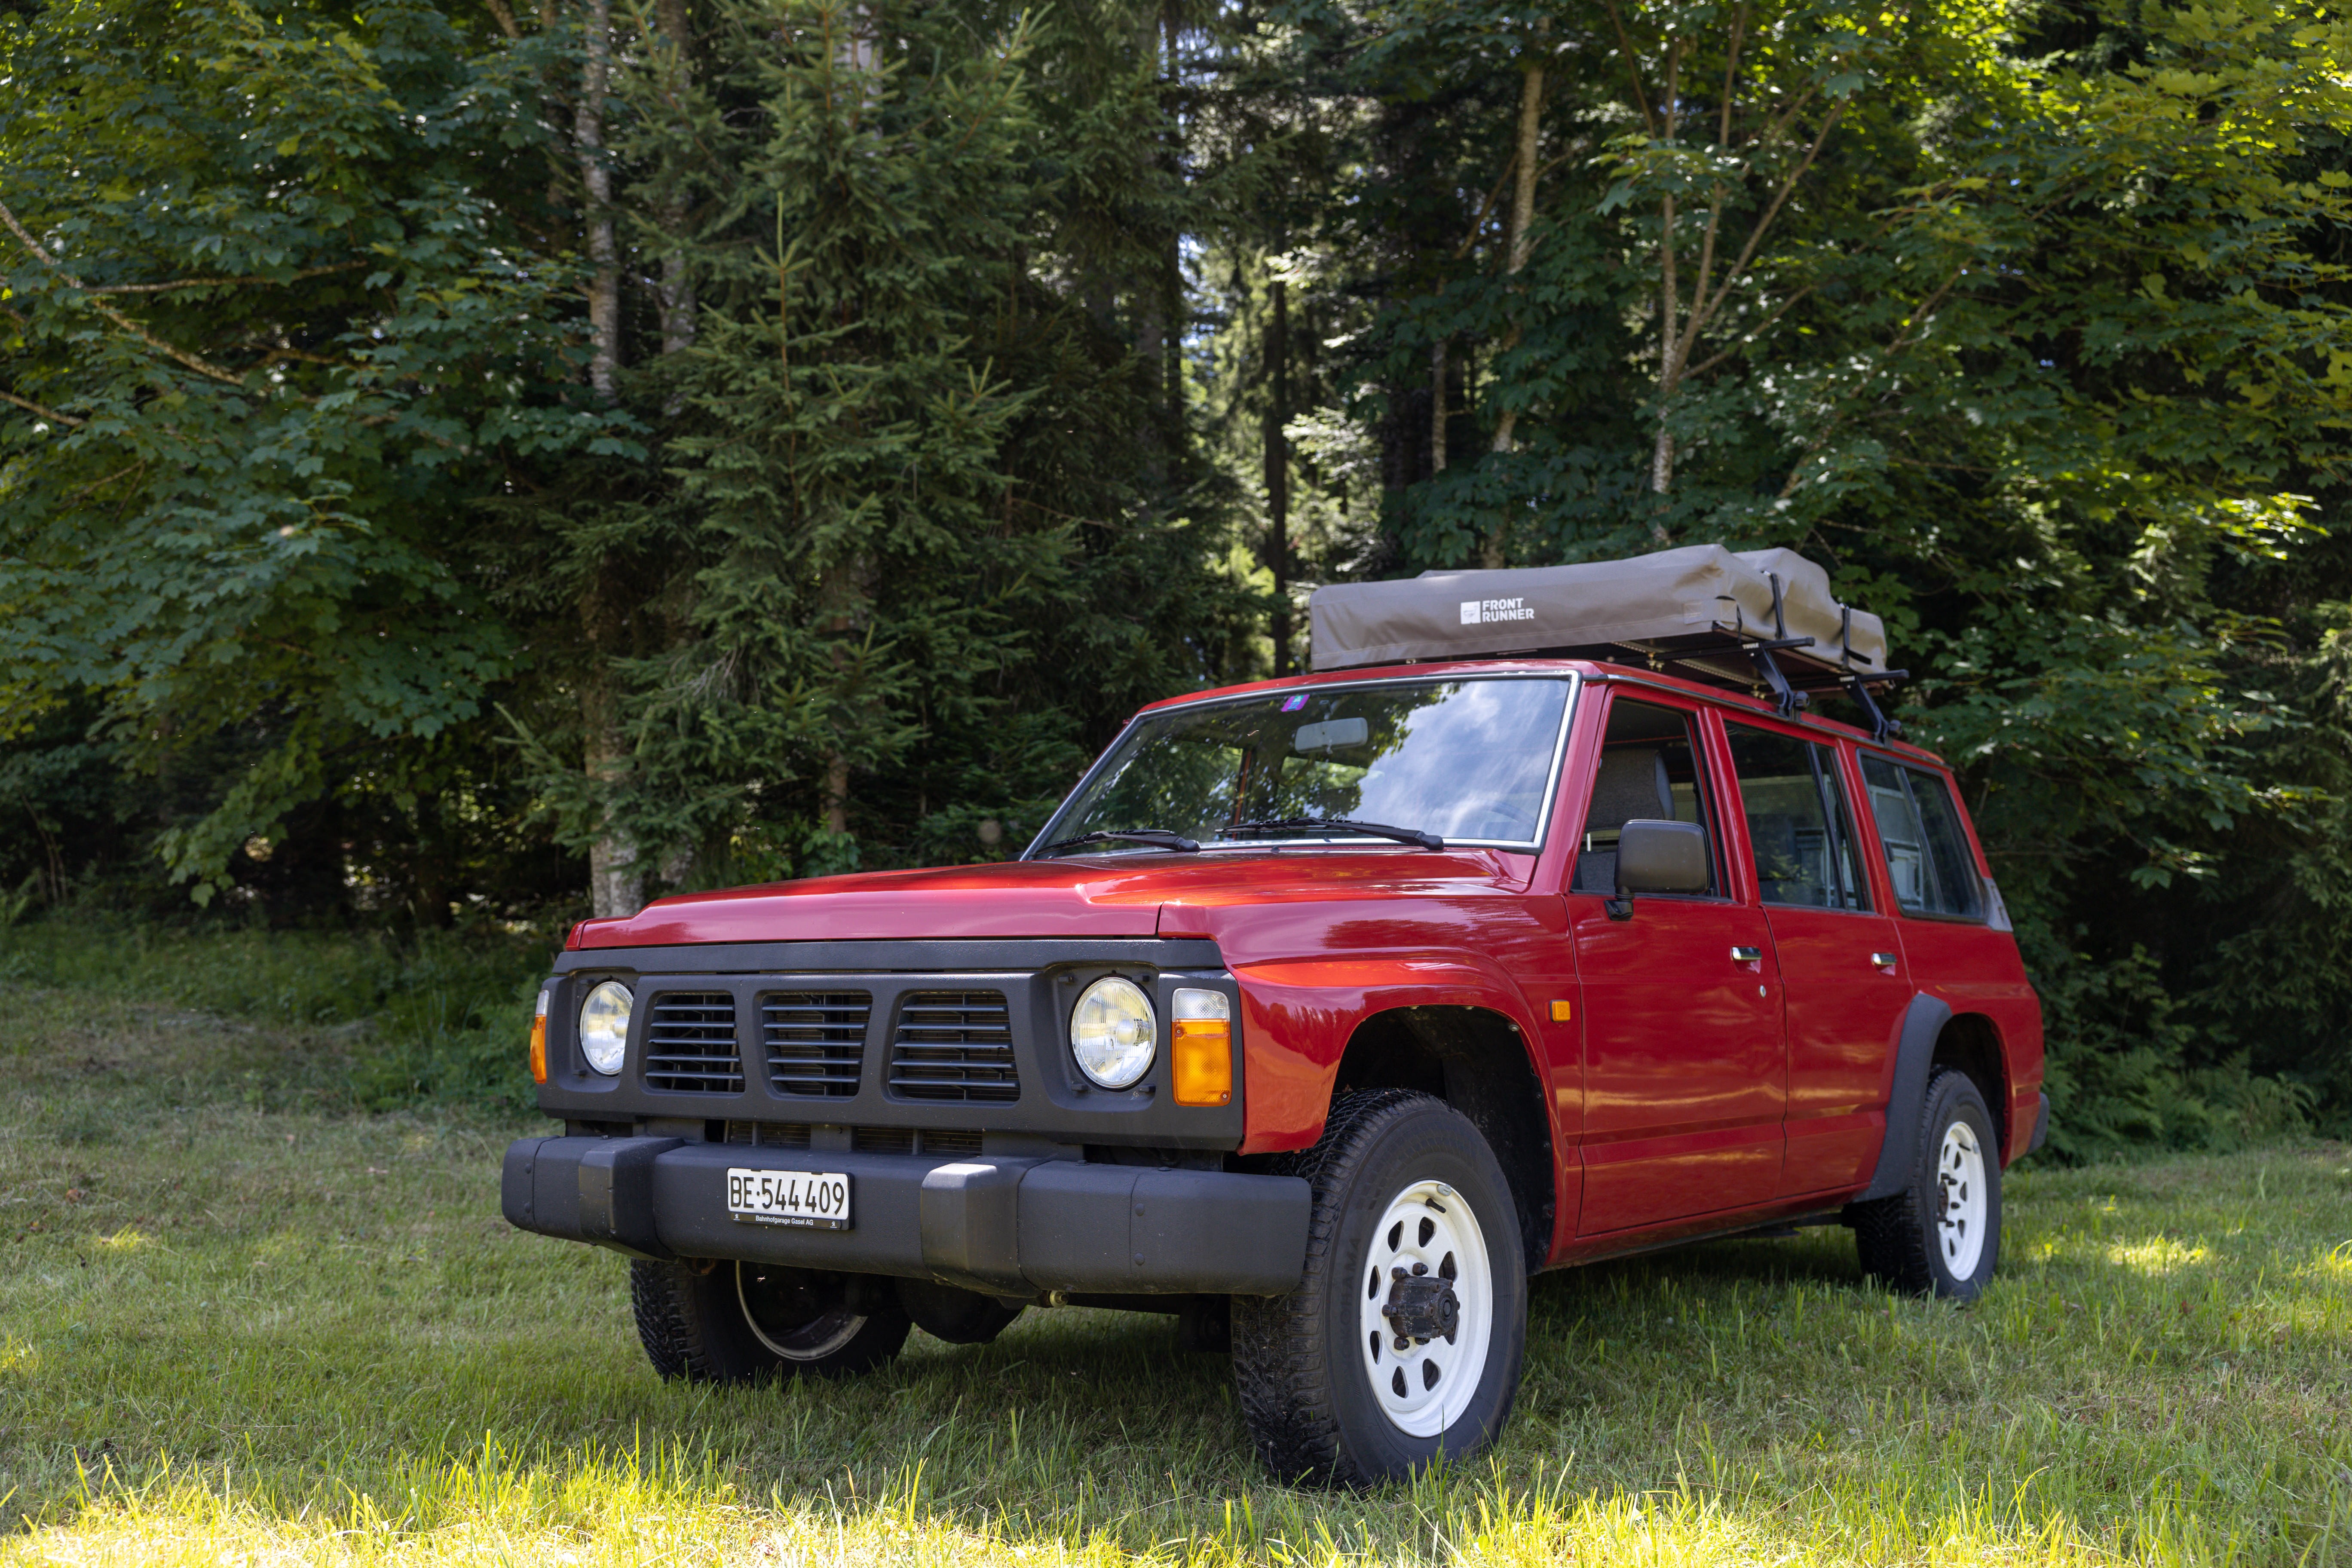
point(1422, 1306)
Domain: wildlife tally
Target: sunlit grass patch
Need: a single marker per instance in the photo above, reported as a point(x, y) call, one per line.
point(2157, 1255)
point(616, 1508)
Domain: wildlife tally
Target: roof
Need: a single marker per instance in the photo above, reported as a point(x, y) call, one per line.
point(1591, 668)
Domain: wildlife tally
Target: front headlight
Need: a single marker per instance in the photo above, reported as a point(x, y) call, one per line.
point(1113, 1033)
point(605, 1026)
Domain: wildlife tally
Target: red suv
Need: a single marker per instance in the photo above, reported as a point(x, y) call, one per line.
point(1323, 1013)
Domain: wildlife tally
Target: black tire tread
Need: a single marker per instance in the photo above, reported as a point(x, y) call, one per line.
point(1895, 1236)
point(1279, 1374)
point(660, 1296)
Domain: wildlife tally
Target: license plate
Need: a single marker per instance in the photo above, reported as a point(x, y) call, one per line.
point(816, 1200)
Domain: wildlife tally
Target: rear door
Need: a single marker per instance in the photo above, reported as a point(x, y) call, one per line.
point(1682, 1022)
point(1843, 986)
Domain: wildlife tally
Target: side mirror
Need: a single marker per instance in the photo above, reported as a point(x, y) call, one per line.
point(1658, 858)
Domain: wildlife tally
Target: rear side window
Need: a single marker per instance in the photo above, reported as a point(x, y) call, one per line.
point(1798, 823)
point(1928, 854)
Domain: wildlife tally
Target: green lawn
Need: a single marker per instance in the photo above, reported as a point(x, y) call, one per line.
point(239, 1322)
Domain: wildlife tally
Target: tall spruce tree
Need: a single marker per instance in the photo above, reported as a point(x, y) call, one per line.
point(922, 524)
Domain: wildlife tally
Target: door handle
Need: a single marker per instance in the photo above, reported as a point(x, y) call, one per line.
point(1885, 960)
point(1747, 955)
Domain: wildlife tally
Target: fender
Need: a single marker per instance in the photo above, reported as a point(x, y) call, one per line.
point(1915, 1051)
point(1297, 1017)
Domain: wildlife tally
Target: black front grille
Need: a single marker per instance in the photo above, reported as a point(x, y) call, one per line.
point(957, 1142)
point(690, 1043)
point(815, 1040)
point(953, 1045)
point(882, 1140)
point(770, 1134)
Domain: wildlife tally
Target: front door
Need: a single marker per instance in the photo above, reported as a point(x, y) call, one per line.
point(1841, 971)
point(1683, 1100)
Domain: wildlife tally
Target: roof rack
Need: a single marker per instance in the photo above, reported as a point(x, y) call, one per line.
point(1700, 612)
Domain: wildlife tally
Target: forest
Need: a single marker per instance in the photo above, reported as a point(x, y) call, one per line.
point(465, 465)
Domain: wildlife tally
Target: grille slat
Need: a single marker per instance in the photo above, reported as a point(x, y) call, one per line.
point(954, 1045)
point(691, 1044)
point(815, 1041)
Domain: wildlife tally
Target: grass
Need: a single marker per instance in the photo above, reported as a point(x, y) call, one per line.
point(430, 1017)
point(241, 1321)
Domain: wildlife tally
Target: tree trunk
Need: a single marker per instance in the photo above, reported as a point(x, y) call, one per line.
point(1662, 458)
point(1661, 455)
point(1523, 213)
point(1151, 354)
point(836, 795)
point(615, 880)
point(678, 283)
point(596, 177)
point(1437, 407)
point(843, 593)
point(1278, 472)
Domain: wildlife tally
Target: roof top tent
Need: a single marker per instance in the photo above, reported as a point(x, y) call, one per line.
point(1758, 620)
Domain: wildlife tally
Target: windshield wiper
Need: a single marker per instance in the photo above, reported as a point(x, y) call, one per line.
point(1159, 837)
point(1310, 823)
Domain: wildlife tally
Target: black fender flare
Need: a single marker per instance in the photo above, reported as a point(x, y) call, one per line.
point(1915, 1053)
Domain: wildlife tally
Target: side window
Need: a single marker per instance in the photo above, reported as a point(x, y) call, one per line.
point(1797, 823)
point(1919, 829)
point(1649, 771)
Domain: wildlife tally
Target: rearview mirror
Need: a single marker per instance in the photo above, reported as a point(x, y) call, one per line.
point(1655, 856)
point(1332, 734)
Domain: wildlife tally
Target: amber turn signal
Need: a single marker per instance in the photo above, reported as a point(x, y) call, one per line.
point(539, 1041)
point(1562, 1010)
point(1201, 1047)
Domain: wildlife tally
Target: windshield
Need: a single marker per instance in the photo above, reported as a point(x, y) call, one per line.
point(1471, 761)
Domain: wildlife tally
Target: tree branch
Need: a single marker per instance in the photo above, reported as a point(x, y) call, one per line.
point(181, 355)
point(1732, 74)
point(101, 484)
point(1780, 311)
point(67, 420)
point(1704, 311)
point(1478, 224)
point(217, 282)
point(32, 245)
point(306, 358)
point(1633, 74)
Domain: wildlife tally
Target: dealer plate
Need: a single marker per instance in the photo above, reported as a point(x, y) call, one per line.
point(814, 1200)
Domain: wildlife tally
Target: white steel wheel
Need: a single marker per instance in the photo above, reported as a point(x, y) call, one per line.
point(1961, 1211)
point(1939, 1234)
point(792, 1322)
point(1426, 1308)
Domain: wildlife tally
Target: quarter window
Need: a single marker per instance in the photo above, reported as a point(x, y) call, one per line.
point(1798, 823)
point(1928, 857)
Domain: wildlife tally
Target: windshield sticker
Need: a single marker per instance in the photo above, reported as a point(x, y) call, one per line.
point(1486, 612)
point(1292, 705)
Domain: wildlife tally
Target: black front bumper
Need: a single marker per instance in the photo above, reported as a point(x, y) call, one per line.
point(1010, 1226)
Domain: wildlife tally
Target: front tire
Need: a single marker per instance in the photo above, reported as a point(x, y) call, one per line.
point(1941, 1235)
point(718, 1322)
point(1404, 1339)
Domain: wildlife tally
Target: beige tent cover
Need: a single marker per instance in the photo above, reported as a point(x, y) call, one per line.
point(1664, 599)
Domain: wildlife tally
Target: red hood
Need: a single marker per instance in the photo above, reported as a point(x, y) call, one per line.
point(1080, 896)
